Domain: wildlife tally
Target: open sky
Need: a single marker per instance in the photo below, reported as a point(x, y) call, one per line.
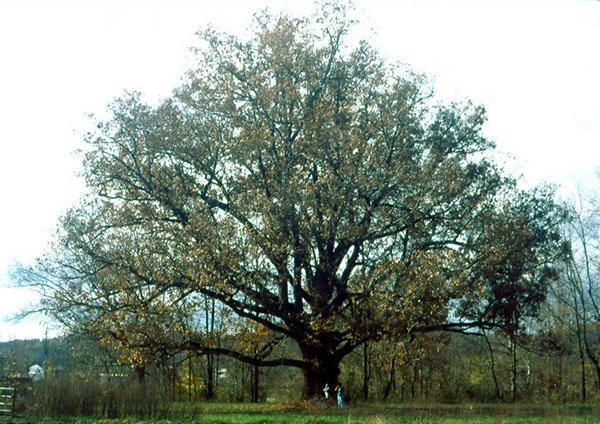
point(535, 65)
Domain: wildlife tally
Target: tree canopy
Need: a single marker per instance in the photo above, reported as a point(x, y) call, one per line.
point(307, 185)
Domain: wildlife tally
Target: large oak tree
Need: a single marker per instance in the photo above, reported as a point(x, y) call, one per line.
point(307, 185)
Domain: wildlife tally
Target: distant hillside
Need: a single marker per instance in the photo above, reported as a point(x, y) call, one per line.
point(16, 356)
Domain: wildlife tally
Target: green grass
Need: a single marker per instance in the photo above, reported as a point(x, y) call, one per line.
point(303, 413)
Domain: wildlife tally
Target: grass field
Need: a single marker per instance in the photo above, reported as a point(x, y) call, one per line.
point(297, 413)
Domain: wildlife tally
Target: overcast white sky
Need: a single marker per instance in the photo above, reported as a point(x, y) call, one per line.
point(535, 65)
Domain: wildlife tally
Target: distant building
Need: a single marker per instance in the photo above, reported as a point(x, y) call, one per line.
point(35, 372)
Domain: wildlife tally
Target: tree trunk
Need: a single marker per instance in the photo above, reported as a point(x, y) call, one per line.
point(513, 368)
point(403, 388)
point(210, 372)
point(209, 310)
point(366, 373)
point(582, 365)
point(140, 372)
point(254, 391)
point(513, 350)
point(422, 383)
point(190, 378)
point(428, 382)
point(580, 345)
point(392, 381)
point(493, 367)
point(413, 384)
point(323, 368)
point(560, 377)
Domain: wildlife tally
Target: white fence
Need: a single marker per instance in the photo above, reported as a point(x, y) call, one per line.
point(8, 398)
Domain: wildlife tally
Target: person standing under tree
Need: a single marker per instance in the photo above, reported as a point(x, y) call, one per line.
point(326, 391)
point(339, 391)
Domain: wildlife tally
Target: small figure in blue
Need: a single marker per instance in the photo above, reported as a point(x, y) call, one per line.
point(339, 392)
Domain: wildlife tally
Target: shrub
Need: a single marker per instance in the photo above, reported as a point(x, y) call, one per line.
point(73, 395)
